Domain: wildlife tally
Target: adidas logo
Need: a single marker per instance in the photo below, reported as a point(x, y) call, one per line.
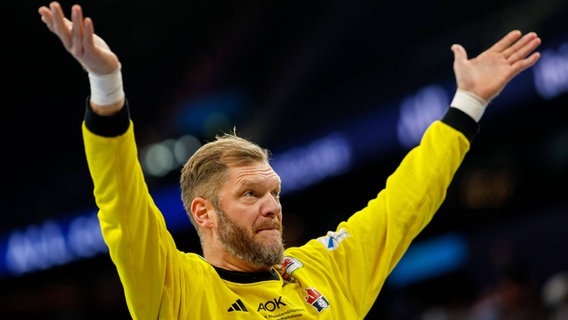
point(237, 306)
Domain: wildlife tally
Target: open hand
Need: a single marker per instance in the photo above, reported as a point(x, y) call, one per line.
point(488, 73)
point(79, 38)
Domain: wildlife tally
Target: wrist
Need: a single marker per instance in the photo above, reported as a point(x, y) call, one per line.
point(470, 103)
point(106, 89)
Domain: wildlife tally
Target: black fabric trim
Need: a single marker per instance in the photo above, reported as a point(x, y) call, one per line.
point(462, 122)
point(247, 277)
point(107, 126)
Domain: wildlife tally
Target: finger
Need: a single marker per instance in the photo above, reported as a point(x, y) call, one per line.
point(522, 48)
point(77, 29)
point(57, 16)
point(506, 41)
point(459, 53)
point(88, 34)
point(59, 25)
point(523, 64)
point(46, 16)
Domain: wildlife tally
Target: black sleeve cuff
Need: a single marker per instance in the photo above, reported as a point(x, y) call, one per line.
point(107, 126)
point(462, 122)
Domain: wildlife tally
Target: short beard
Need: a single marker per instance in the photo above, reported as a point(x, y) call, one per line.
point(241, 243)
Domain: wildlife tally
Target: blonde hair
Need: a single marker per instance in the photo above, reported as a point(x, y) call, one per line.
point(206, 170)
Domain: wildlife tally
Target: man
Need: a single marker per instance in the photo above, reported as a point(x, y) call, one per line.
point(231, 194)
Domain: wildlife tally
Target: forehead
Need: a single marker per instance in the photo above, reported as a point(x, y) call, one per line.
point(253, 173)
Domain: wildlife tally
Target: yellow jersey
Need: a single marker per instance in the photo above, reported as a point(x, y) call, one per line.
point(336, 276)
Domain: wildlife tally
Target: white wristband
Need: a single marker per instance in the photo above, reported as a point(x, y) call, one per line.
point(106, 89)
point(470, 103)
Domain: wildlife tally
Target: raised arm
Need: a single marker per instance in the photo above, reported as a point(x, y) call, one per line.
point(91, 51)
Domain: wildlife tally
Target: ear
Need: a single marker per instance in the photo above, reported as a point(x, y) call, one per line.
point(201, 210)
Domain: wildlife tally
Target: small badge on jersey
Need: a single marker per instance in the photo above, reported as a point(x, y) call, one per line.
point(332, 240)
point(316, 299)
point(288, 266)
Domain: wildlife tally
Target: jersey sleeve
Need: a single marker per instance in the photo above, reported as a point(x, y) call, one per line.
point(364, 249)
point(133, 228)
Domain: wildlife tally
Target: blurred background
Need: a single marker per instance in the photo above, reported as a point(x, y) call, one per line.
point(339, 91)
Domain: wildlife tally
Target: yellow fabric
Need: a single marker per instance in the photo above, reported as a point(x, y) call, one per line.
point(337, 276)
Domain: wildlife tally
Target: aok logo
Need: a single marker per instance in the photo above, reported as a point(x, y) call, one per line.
point(271, 305)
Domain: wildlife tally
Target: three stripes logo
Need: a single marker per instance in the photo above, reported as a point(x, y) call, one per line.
point(237, 306)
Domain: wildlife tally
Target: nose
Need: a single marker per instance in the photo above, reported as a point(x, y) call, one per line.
point(271, 206)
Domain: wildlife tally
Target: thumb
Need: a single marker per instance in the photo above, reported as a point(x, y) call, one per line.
point(459, 53)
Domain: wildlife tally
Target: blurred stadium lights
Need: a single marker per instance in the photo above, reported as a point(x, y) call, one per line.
point(159, 159)
point(305, 166)
point(209, 114)
point(551, 72)
point(418, 112)
point(430, 258)
point(50, 244)
point(487, 189)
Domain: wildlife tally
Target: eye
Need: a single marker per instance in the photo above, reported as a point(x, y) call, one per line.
point(250, 194)
point(276, 194)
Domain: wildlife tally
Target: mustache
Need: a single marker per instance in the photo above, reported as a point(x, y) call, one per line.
point(269, 225)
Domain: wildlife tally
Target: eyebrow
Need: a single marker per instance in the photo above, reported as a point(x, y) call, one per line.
point(248, 182)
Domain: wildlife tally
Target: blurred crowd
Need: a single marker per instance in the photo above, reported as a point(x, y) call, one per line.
point(512, 297)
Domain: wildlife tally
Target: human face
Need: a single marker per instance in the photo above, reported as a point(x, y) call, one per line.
point(250, 226)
